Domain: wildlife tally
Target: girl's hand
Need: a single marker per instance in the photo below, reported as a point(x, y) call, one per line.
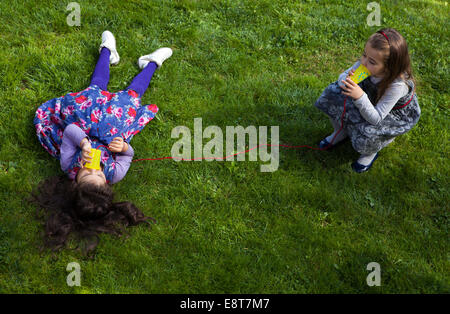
point(85, 151)
point(350, 73)
point(351, 89)
point(116, 145)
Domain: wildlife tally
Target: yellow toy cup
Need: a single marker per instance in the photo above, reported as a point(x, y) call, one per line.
point(361, 73)
point(95, 163)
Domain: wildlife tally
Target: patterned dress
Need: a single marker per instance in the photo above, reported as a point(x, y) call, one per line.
point(100, 114)
point(367, 138)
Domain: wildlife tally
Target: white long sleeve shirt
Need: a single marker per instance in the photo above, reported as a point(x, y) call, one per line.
point(376, 113)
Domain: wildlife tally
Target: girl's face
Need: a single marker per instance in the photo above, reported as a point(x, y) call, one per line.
point(372, 59)
point(86, 175)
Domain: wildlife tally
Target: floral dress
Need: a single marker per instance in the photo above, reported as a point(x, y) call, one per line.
point(100, 114)
point(367, 138)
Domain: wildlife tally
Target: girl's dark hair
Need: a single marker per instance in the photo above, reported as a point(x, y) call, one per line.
point(396, 57)
point(81, 209)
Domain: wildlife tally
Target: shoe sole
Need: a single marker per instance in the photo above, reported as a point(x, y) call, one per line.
point(332, 146)
point(368, 167)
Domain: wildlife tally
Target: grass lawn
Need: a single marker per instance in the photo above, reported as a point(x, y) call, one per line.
point(312, 226)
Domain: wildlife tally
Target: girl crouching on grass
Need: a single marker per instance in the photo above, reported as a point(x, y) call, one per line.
point(379, 108)
point(68, 127)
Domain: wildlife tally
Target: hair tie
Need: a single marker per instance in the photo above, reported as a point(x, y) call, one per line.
point(384, 36)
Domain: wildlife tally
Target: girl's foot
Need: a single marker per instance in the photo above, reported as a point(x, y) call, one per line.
point(340, 137)
point(328, 143)
point(109, 42)
point(158, 56)
point(364, 163)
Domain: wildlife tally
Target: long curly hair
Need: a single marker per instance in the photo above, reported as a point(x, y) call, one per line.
point(83, 210)
point(396, 57)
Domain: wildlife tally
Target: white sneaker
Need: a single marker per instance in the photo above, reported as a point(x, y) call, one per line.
point(109, 42)
point(158, 56)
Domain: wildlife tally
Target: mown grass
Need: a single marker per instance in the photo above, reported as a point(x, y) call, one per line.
point(312, 226)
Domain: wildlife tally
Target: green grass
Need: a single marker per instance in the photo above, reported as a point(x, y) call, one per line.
point(312, 226)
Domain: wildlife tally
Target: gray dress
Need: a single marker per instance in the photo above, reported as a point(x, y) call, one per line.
point(367, 138)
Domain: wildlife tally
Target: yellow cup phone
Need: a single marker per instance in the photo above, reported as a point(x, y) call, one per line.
point(95, 163)
point(360, 74)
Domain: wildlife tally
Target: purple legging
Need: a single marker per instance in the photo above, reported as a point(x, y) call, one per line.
point(100, 77)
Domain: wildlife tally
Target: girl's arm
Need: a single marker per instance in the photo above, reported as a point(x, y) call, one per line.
point(123, 161)
point(72, 138)
point(375, 114)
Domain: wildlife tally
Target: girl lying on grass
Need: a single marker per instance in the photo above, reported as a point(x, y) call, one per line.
point(381, 107)
point(68, 127)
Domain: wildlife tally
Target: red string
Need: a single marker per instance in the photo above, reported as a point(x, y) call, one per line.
point(248, 150)
point(225, 158)
point(280, 145)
